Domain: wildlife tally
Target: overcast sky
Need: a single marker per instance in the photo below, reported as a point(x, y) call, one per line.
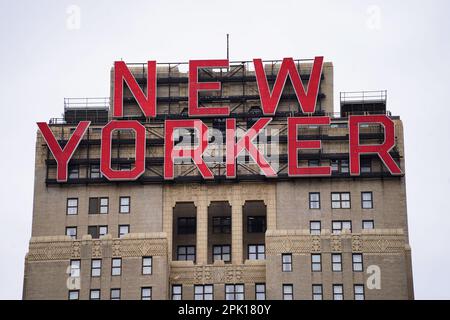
point(402, 46)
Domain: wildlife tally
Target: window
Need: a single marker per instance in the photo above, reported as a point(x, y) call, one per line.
point(357, 259)
point(313, 163)
point(338, 292)
point(125, 166)
point(222, 252)
point(124, 204)
point(316, 262)
point(75, 268)
point(94, 294)
point(71, 232)
point(186, 253)
point(186, 225)
point(221, 224)
point(340, 166)
point(124, 229)
point(256, 224)
point(74, 294)
point(177, 292)
point(147, 265)
point(256, 252)
point(288, 291)
point(344, 166)
point(366, 165)
point(338, 226)
point(260, 291)
point(366, 200)
point(358, 290)
point(98, 205)
point(94, 171)
point(115, 294)
point(96, 267)
point(234, 292)
point(97, 231)
point(116, 266)
point(314, 227)
point(314, 200)
point(286, 261)
point(72, 206)
point(340, 200)
point(317, 292)
point(368, 224)
point(146, 293)
point(203, 292)
point(74, 172)
point(336, 262)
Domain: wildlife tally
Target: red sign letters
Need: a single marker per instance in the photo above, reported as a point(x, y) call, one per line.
point(234, 145)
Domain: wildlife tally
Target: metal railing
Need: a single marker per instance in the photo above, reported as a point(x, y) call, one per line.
point(86, 103)
point(363, 96)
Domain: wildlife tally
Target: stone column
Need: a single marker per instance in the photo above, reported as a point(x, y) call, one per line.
point(202, 231)
point(236, 231)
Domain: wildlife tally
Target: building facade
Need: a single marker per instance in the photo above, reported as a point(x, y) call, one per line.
point(251, 237)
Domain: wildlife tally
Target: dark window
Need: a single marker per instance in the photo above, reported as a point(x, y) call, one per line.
point(75, 268)
point(222, 252)
point(177, 292)
point(288, 291)
point(256, 224)
point(366, 165)
point(186, 253)
point(204, 292)
point(340, 166)
point(314, 200)
point(71, 232)
point(94, 171)
point(186, 225)
point(315, 228)
point(72, 206)
point(316, 262)
point(74, 294)
point(286, 261)
point(313, 163)
point(97, 231)
point(221, 224)
point(256, 252)
point(358, 291)
point(96, 267)
point(317, 292)
point(124, 204)
point(336, 262)
point(94, 294)
point(115, 294)
point(340, 200)
point(367, 200)
point(338, 226)
point(146, 293)
point(98, 205)
point(234, 292)
point(338, 292)
point(368, 224)
point(124, 229)
point(260, 291)
point(116, 266)
point(74, 172)
point(147, 265)
point(357, 260)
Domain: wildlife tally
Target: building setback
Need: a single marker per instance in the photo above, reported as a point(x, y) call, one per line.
point(252, 237)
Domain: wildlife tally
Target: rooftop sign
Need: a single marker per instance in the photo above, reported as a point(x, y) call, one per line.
point(235, 144)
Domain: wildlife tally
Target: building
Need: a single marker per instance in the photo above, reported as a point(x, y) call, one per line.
point(334, 237)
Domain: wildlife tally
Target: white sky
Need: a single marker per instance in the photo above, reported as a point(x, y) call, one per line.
point(401, 46)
